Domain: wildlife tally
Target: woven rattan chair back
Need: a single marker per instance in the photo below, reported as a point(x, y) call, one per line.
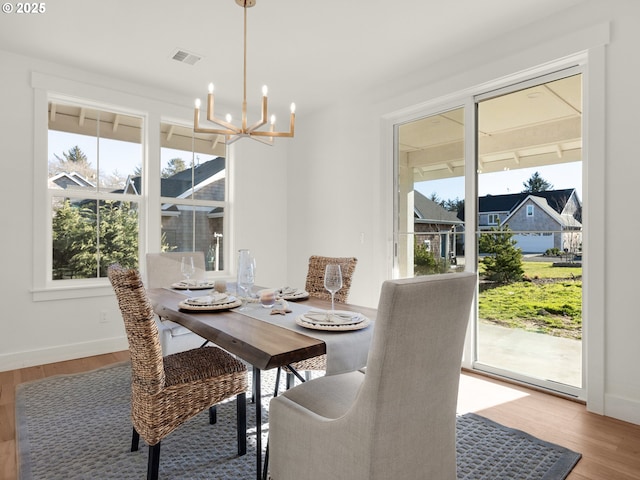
point(147, 366)
point(315, 276)
point(166, 392)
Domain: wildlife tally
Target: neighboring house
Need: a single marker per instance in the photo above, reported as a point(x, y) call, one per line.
point(439, 229)
point(179, 224)
point(180, 227)
point(540, 221)
point(69, 180)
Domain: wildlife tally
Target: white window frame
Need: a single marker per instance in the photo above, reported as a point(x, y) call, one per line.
point(153, 112)
point(530, 210)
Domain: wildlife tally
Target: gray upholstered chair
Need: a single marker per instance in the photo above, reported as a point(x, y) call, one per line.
point(398, 420)
point(163, 269)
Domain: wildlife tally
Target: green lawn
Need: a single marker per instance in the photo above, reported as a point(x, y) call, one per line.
point(551, 303)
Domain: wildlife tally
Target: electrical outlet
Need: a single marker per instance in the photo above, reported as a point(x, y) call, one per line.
point(104, 317)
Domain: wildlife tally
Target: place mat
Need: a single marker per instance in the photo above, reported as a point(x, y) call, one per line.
point(193, 285)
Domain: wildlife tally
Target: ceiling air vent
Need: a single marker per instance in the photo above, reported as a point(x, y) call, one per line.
point(185, 57)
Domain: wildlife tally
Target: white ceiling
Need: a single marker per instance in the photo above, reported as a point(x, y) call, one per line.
point(305, 51)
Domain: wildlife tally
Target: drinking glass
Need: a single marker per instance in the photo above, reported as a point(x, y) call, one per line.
point(187, 268)
point(332, 281)
point(247, 276)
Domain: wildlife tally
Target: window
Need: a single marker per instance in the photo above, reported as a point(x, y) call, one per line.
point(493, 219)
point(529, 210)
point(193, 193)
point(93, 154)
point(101, 193)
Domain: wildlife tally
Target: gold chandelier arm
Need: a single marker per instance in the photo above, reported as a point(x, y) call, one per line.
point(290, 133)
point(211, 117)
point(263, 118)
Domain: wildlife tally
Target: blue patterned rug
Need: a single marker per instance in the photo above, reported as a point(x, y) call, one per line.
point(76, 427)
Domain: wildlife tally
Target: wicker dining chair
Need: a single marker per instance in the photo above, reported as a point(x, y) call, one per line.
point(168, 391)
point(315, 286)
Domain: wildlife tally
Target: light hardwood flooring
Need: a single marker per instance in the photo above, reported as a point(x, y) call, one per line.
point(610, 448)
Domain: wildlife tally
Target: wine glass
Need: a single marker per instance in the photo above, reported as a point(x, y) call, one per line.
point(188, 269)
point(332, 281)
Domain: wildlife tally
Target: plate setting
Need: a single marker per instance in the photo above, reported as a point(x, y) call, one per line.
point(212, 302)
point(338, 320)
point(293, 294)
point(193, 285)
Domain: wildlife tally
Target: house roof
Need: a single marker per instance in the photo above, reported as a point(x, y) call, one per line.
point(556, 199)
point(177, 184)
point(69, 180)
point(428, 211)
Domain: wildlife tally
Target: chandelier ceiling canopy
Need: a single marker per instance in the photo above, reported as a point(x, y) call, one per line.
point(230, 131)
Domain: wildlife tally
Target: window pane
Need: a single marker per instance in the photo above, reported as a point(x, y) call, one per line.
point(91, 149)
point(431, 194)
point(192, 165)
point(188, 228)
point(88, 236)
point(120, 152)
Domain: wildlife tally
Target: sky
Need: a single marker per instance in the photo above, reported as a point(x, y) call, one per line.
point(125, 157)
point(561, 176)
point(119, 156)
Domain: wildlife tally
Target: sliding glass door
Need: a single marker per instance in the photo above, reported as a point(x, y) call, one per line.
point(529, 231)
point(495, 185)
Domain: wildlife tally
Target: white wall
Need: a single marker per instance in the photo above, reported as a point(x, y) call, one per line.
point(335, 183)
point(342, 149)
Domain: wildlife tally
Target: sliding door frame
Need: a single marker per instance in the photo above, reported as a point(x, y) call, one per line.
point(592, 61)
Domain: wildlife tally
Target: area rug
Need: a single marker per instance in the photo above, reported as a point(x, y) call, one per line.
point(77, 427)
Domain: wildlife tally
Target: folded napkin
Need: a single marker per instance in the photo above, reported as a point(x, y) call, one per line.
point(339, 317)
point(288, 291)
point(211, 299)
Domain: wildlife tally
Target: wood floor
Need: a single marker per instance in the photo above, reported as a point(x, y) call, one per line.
point(610, 448)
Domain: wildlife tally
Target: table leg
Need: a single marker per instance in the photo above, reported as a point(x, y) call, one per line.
point(258, 401)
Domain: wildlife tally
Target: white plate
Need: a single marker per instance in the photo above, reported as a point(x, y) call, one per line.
point(337, 317)
point(363, 322)
point(232, 302)
point(214, 298)
point(193, 285)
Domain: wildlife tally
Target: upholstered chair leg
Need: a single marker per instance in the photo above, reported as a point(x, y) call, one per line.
point(213, 415)
point(153, 466)
point(275, 391)
point(241, 422)
point(291, 381)
point(135, 441)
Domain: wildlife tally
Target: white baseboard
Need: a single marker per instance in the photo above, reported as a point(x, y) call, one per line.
point(625, 409)
point(60, 353)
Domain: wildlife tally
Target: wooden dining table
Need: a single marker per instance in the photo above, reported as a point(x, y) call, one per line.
point(262, 344)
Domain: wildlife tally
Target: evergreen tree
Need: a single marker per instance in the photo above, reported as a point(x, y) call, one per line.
point(536, 184)
point(503, 262)
point(174, 166)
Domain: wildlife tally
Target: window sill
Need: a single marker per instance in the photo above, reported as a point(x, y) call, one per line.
point(70, 292)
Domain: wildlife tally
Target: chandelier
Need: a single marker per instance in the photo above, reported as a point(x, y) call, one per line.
point(230, 131)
